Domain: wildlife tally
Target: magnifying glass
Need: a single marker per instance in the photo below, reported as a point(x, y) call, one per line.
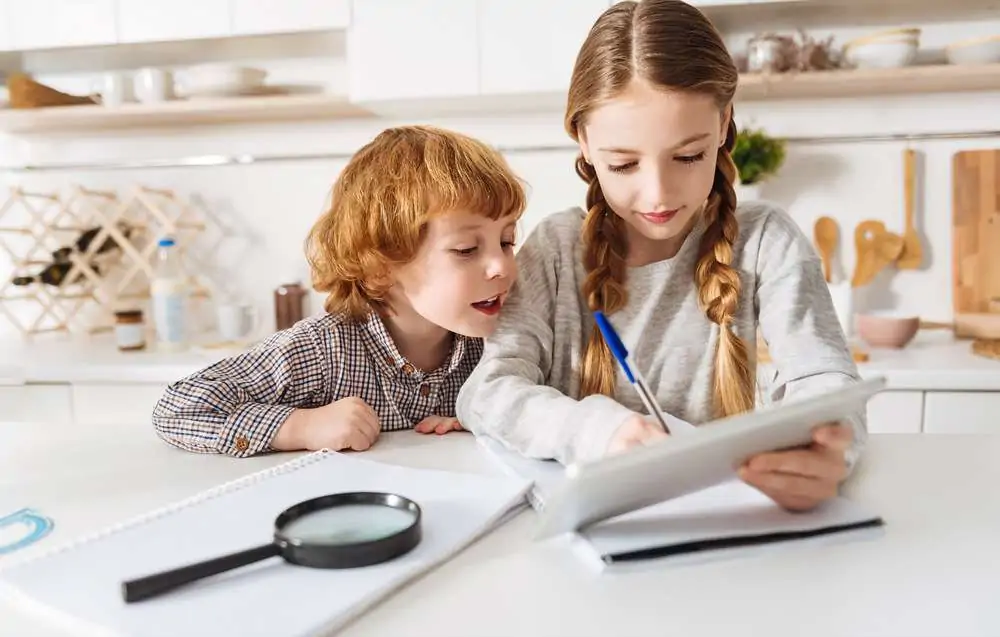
point(342, 530)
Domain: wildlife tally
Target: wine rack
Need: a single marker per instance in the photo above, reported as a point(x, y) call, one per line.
point(77, 257)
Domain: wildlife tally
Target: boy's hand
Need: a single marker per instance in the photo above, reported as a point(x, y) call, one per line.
point(800, 479)
point(348, 423)
point(635, 431)
point(438, 424)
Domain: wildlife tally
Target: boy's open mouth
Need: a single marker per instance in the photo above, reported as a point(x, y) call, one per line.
point(489, 306)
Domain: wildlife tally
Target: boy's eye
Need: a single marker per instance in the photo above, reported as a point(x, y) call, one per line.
point(465, 251)
point(506, 245)
point(692, 159)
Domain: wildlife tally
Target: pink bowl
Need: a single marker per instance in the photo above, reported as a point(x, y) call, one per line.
point(887, 330)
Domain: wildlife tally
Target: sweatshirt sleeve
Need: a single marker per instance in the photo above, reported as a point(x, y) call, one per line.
point(507, 397)
point(236, 406)
point(799, 323)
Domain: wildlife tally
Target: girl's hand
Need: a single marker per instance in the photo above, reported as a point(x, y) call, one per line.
point(635, 431)
point(438, 424)
point(800, 479)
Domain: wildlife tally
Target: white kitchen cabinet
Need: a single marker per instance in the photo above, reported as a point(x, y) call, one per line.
point(962, 412)
point(47, 24)
point(896, 412)
point(529, 46)
point(166, 20)
point(412, 49)
point(48, 404)
point(6, 41)
point(113, 404)
point(255, 17)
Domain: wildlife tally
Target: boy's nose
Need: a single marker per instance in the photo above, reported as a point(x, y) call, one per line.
point(500, 267)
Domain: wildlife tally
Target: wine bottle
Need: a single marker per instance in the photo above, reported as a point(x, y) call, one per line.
point(53, 274)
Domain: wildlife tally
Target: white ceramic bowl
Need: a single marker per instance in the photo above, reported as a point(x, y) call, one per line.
point(208, 80)
point(885, 53)
point(976, 51)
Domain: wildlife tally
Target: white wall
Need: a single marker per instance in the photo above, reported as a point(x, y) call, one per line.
point(276, 203)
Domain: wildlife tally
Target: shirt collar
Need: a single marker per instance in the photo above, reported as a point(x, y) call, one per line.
point(391, 363)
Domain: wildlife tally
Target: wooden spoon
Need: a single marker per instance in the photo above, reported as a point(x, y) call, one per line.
point(825, 234)
point(876, 248)
point(912, 255)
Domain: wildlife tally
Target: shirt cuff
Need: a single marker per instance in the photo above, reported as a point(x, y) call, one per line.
point(250, 429)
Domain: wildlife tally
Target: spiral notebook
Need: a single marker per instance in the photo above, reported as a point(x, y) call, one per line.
point(723, 520)
point(78, 585)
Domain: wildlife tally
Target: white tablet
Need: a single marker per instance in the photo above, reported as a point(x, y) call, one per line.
point(682, 464)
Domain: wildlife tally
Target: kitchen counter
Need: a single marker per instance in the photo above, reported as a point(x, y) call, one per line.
point(934, 361)
point(97, 360)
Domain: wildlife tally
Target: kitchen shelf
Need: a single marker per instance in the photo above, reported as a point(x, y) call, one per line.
point(754, 15)
point(223, 110)
point(943, 78)
point(290, 108)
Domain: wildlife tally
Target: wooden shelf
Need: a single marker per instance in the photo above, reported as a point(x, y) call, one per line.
point(228, 110)
point(290, 108)
point(870, 82)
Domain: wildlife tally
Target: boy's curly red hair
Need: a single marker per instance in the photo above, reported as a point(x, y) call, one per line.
point(383, 199)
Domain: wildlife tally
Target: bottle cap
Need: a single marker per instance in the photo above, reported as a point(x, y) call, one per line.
point(165, 242)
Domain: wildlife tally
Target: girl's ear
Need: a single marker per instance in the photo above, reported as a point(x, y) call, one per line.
point(585, 148)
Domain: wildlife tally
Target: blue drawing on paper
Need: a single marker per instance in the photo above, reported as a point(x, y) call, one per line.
point(21, 528)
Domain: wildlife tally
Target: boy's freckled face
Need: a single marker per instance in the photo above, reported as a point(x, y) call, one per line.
point(462, 273)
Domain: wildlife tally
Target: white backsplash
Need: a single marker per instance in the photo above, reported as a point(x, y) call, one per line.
point(274, 204)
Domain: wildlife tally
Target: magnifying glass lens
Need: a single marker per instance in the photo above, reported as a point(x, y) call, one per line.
point(348, 524)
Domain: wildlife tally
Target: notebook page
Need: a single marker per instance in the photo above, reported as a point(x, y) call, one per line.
point(731, 509)
point(270, 598)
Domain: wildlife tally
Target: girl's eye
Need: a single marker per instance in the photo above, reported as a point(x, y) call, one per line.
point(465, 252)
point(692, 159)
point(620, 168)
point(507, 245)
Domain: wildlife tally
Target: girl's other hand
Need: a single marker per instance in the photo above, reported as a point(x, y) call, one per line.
point(800, 479)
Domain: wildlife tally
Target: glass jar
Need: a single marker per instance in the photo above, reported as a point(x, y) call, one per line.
point(130, 330)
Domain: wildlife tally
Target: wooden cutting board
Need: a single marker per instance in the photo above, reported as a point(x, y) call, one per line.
point(976, 242)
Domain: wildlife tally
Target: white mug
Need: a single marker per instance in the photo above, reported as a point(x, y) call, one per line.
point(114, 88)
point(236, 321)
point(153, 85)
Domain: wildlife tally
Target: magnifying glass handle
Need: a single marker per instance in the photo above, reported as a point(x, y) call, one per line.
point(145, 587)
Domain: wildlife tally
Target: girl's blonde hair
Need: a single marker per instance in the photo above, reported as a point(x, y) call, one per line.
point(383, 199)
point(672, 46)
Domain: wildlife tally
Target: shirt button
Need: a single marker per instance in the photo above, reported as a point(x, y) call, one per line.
point(242, 444)
point(408, 369)
point(425, 390)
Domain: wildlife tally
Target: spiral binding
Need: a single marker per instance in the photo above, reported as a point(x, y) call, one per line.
point(144, 518)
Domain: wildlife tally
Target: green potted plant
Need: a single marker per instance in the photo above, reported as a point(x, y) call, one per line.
point(758, 156)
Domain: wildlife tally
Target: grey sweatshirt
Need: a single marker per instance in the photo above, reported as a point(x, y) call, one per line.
point(524, 391)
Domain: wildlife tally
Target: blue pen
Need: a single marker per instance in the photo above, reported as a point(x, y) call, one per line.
point(618, 349)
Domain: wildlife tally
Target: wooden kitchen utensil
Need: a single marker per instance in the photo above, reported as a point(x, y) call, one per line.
point(876, 248)
point(976, 242)
point(913, 254)
point(825, 234)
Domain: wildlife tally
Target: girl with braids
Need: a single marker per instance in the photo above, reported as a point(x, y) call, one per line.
point(685, 277)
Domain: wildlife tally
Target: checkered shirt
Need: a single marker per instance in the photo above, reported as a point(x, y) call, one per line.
point(236, 405)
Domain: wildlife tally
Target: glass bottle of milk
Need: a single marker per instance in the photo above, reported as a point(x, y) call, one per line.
point(169, 292)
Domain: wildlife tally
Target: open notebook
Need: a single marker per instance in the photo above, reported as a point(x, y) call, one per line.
point(79, 584)
point(723, 519)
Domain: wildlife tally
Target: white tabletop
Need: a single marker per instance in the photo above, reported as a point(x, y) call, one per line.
point(934, 572)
